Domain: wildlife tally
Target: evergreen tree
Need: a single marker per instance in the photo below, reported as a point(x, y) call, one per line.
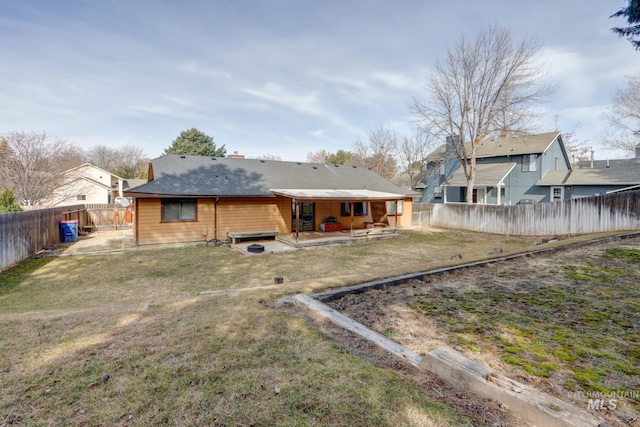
point(632, 14)
point(8, 202)
point(197, 143)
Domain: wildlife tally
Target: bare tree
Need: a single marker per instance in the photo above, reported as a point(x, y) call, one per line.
point(624, 117)
point(126, 161)
point(378, 154)
point(269, 157)
point(320, 156)
point(412, 153)
point(577, 150)
point(484, 87)
point(32, 164)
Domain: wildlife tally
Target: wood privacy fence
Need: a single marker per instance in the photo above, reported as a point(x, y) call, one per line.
point(610, 212)
point(109, 217)
point(23, 234)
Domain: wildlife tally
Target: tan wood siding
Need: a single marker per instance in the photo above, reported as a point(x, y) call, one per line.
point(151, 230)
point(404, 220)
point(238, 215)
point(252, 215)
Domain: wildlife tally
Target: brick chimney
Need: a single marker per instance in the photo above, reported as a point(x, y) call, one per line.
point(235, 155)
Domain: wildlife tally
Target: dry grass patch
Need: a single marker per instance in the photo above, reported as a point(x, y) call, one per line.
point(124, 340)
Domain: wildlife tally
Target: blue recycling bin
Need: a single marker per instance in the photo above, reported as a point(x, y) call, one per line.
point(68, 231)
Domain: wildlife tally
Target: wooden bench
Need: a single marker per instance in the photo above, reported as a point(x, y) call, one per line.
point(251, 235)
point(367, 232)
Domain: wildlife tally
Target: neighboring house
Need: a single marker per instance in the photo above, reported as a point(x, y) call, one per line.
point(507, 170)
point(589, 178)
point(86, 184)
point(197, 198)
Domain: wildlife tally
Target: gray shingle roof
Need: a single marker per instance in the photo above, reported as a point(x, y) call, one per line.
point(619, 172)
point(487, 175)
point(226, 177)
point(517, 145)
point(507, 146)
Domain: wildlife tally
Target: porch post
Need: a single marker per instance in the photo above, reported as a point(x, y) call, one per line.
point(297, 205)
point(444, 194)
point(351, 211)
point(396, 218)
point(499, 188)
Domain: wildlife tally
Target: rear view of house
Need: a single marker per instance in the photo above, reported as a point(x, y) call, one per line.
point(197, 198)
point(508, 170)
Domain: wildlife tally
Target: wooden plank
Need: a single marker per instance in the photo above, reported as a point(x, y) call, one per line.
point(532, 405)
point(250, 234)
point(306, 302)
point(456, 369)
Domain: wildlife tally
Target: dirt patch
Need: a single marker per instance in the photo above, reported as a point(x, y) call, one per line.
point(566, 323)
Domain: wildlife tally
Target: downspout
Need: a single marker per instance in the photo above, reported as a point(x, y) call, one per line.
point(215, 219)
point(135, 212)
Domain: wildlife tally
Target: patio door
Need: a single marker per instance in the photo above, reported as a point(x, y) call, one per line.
point(479, 195)
point(306, 216)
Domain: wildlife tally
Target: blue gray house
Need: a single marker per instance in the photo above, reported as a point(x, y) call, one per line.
point(508, 170)
point(589, 178)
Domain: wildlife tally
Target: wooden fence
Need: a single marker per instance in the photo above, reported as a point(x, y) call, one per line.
point(23, 234)
point(109, 217)
point(610, 212)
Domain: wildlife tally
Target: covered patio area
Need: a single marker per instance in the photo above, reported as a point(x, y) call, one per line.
point(315, 239)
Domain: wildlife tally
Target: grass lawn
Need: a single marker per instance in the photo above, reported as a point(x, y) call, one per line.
point(124, 340)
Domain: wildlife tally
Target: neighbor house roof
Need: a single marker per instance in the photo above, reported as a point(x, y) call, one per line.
point(506, 146)
point(130, 183)
point(604, 172)
point(178, 175)
point(516, 145)
point(487, 175)
point(89, 165)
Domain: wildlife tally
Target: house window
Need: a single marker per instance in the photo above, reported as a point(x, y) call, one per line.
point(556, 163)
point(529, 163)
point(81, 197)
point(437, 193)
point(179, 210)
point(557, 193)
point(359, 209)
point(494, 192)
point(442, 168)
point(391, 208)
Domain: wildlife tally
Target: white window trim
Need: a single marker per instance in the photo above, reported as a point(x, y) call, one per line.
point(390, 207)
point(552, 195)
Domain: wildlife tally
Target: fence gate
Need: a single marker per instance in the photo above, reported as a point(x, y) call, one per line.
point(109, 217)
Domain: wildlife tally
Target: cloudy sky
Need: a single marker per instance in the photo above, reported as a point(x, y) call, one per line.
point(278, 77)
